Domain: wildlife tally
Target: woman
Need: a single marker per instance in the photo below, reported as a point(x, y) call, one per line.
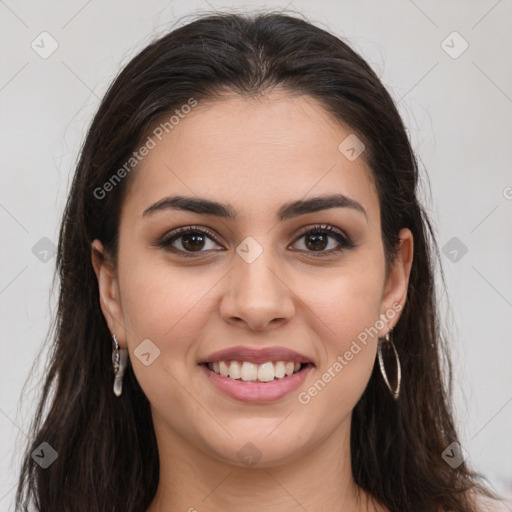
point(244, 249)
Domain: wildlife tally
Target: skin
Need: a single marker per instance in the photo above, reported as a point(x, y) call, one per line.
point(255, 154)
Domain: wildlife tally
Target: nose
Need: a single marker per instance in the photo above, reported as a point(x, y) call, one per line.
point(257, 294)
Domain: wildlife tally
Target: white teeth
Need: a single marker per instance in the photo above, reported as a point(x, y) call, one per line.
point(247, 371)
point(234, 370)
point(223, 369)
point(280, 370)
point(266, 372)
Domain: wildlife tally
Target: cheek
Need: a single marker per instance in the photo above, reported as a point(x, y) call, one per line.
point(159, 299)
point(348, 313)
point(351, 313)
point(348, 300)
point(347, 309)
point(162, 303)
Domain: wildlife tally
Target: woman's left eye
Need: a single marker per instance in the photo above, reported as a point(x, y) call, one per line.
point(316, 238)
point(194, 239)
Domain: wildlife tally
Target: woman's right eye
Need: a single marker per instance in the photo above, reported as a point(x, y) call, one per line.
point(192, 241)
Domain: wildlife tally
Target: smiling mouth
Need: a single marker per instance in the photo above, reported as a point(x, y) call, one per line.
point(250, 372)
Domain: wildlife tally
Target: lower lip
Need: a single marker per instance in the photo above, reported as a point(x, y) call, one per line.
point(257, 391)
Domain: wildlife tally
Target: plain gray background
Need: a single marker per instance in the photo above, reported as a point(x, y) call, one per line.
point(457, 106)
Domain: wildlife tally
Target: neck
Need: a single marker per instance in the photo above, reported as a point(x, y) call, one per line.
point(315, 480)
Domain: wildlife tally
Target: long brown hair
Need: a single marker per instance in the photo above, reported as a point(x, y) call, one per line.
point(107, 452)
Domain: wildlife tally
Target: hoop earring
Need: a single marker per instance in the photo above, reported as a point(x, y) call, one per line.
point(395, 392)
point(119, 360)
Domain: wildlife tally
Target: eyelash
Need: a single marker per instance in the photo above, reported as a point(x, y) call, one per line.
point(323, 229)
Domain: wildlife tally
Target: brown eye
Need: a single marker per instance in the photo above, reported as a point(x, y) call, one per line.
point(189, 240)
point(316, 239)
point(193, 241)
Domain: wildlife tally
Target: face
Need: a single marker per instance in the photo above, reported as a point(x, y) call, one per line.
point(269, 277)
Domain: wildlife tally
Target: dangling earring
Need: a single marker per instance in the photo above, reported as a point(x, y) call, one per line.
point(394, 392)
point(119, 360)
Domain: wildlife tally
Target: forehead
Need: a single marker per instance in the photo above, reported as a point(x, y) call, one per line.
point(254, 153)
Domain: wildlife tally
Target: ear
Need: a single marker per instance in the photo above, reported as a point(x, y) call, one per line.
point(109, 291)
point(395, 288)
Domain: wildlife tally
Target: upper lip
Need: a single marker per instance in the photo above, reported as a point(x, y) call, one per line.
point(256, 355)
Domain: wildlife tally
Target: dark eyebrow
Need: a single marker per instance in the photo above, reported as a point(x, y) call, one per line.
point(226, 211)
